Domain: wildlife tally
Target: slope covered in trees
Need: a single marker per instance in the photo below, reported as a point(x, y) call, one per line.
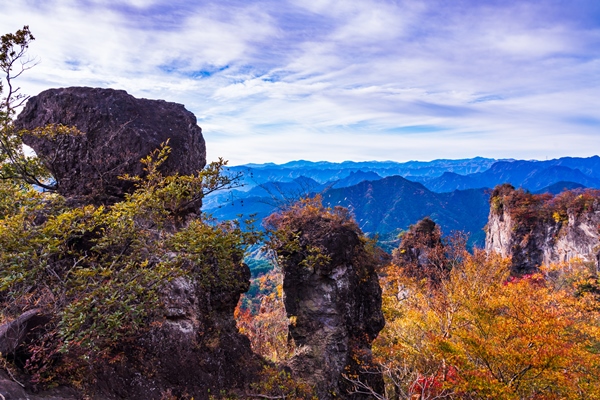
point(460, 326)
point(475, 332)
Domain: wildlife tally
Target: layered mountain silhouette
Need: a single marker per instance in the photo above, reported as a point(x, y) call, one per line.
point(531, 175)
point(385, 206)
point(328, 172)
point(394, 203)
point(387, 197)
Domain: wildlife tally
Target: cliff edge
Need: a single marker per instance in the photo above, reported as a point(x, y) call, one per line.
point(536, 229)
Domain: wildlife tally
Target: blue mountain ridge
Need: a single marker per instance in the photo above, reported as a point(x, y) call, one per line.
point(387, 197)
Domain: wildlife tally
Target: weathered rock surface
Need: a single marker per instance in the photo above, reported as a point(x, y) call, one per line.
point(334, 303)
point(118, 130)
point(541, 229)
point(196, 352)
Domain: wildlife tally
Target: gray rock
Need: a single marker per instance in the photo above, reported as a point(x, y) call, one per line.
point(334, 306)
point(118, 130)
point(537, 238)
point(195, 351)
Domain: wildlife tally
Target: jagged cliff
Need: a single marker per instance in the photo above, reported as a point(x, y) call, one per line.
point(187, 345)
point(543, 229)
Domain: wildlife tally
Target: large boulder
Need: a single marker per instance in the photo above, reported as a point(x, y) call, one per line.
point(118, 130)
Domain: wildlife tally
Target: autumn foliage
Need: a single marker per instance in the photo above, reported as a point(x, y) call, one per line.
point(266, 326)
point(482, 334)
point(528, 209)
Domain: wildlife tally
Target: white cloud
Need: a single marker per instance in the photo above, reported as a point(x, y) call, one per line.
point(319, 79)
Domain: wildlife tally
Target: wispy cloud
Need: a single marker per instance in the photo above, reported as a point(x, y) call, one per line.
point(275, 80)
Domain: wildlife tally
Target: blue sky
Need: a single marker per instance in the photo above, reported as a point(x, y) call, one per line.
point(280, 80)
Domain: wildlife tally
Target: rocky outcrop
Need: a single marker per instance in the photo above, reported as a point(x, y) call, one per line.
point(423, 254)
point(332, 297)
point(195, 352)
point(543, 229)
point(118, 130)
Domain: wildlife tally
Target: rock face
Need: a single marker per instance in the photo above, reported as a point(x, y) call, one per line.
point(118, 130)
point(333, 299)
point(422, 254)
point(541, 229)
point(197, 351)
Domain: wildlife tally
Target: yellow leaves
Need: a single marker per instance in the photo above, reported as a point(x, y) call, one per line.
point(277, 383)
point(267, 327)
point(53, 132)
point(509, 338)
point(559, 217)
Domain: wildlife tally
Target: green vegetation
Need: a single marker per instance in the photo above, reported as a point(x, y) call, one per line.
point(96, 272)
point(15, 164)
point(458, 326)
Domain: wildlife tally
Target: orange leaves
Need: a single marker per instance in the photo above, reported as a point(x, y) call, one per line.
point(267, 329)
point(503, 338)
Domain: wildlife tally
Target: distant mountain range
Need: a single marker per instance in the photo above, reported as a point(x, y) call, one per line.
point(531, 175)
point(391, 204)
point(326, 172)
point(386, 197)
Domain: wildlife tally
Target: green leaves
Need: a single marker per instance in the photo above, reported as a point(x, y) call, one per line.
point(15, 164)
point(13, 46)
point(98, 272)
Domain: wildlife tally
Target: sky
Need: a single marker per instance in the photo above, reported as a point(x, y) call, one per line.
point(282, 80)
